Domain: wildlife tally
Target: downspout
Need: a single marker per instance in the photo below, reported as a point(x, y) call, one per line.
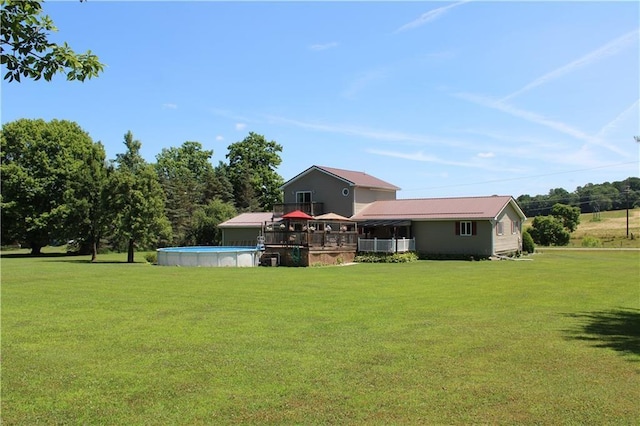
point(493, 236)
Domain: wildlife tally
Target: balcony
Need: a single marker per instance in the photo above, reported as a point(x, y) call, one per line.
point(313, 208)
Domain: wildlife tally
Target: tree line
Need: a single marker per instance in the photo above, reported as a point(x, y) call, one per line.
point(57, 186)
point(588, 198)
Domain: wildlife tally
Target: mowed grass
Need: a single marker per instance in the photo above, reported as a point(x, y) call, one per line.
point(553, 340)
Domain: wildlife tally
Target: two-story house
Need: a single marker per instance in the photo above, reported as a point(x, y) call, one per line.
point(370, 211)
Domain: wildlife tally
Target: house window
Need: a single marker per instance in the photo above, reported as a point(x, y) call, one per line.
point(466, 228)
point(303, 197)
point(515, 227)
point(500, 228)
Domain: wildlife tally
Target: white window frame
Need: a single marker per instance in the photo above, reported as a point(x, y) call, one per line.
point(515, 227)
point(466, 228)
point(300, 196)
point(500, 228)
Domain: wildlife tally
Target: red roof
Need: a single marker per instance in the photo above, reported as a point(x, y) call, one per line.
point(437, 208)
point(351, 177)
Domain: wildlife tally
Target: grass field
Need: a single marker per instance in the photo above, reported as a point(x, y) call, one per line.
point(609, 227)
point(552, 340)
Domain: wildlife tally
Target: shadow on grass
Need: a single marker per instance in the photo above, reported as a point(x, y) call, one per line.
point(65, 257)
point(617, 329)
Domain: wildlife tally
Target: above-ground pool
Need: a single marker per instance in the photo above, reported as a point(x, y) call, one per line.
point(209, 256)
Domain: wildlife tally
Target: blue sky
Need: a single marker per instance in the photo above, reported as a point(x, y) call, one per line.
point(438, 98)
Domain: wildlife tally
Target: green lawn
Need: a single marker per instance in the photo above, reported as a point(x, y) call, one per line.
point(553, 340)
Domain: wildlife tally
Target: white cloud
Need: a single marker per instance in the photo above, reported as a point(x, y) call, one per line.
point(241, 126)
point(219, 138)
point(486, 155)
point(420, 156)
point(169, 106)
point(323, 46)
point(429, 16)
point(608, 49)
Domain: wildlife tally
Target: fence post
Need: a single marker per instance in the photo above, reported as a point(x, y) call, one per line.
point(375, 244)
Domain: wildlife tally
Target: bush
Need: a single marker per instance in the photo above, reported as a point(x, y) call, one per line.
point(592, 242)
point(549, 231)
point(151, 258)
point(527, 243)
point(386, 257)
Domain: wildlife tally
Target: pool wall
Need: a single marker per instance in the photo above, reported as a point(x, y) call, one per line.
point(209, 256)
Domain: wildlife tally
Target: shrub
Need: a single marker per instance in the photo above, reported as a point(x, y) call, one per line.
point(386, 257)
point(592, 242)
point(527, 243)
point(151, 257)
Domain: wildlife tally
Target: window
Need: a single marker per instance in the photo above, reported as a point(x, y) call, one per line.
point(515, 227)
point(500, 228)
point(466, 228)
point(303, 197)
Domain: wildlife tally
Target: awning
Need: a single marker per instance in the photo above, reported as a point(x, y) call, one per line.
point(383, 222)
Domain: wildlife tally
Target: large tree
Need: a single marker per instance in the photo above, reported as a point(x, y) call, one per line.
point(27, 52)
point(39, 162)
point(138, 199)
point(89, 213)
point(252, 172)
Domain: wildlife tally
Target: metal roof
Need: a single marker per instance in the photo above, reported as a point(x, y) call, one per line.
point(350, 177)
point(437, 208)
point(247, 220)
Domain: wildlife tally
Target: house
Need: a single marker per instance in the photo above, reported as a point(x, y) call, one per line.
point(374, 219)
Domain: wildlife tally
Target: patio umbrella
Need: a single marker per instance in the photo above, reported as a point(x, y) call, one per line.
point(297, 214)
point(332, 216)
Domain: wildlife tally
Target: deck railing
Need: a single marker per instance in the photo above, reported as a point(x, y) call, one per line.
point(393, 245)
point(311, 239)
point(313, 209)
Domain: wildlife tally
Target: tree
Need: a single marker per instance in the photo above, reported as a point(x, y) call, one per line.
point(206, 220)
point(138, 198)
point(549, 231)
point(88, 212)
point(26, 50)
point(39, 161)
point(569, 216)
point(252, 165)
point(184, 174)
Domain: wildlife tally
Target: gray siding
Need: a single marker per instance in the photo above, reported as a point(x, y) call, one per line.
point(439, 237)
point(365, 196)
point(324, 189)
point(240, 236)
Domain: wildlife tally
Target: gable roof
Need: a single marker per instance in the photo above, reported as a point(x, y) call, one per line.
point(350, 177)
point(460, 208)
point(247, 220)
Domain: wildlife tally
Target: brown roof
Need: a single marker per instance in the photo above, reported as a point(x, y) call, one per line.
point(247, 220)
point(437, 208)
point(353, 178)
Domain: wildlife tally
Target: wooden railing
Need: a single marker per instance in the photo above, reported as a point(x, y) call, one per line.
point(311, 239)
point(313, 209)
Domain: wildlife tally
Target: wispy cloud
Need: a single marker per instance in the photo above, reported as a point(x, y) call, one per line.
point(219, 138)
point(169, 106)
point(367, 133)
point(632, 111)
point(323, 46)
point(241, 126)
point(363, 81)
point(608, 49)
point(486, 154)
point(429, 16)
point(426, 158)
point(539, 119)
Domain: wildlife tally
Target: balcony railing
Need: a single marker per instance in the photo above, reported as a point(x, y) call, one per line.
point(393, 245)
point(313, 209)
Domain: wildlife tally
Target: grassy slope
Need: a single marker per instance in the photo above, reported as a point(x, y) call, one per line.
point(553, 340)
point(610, 227)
